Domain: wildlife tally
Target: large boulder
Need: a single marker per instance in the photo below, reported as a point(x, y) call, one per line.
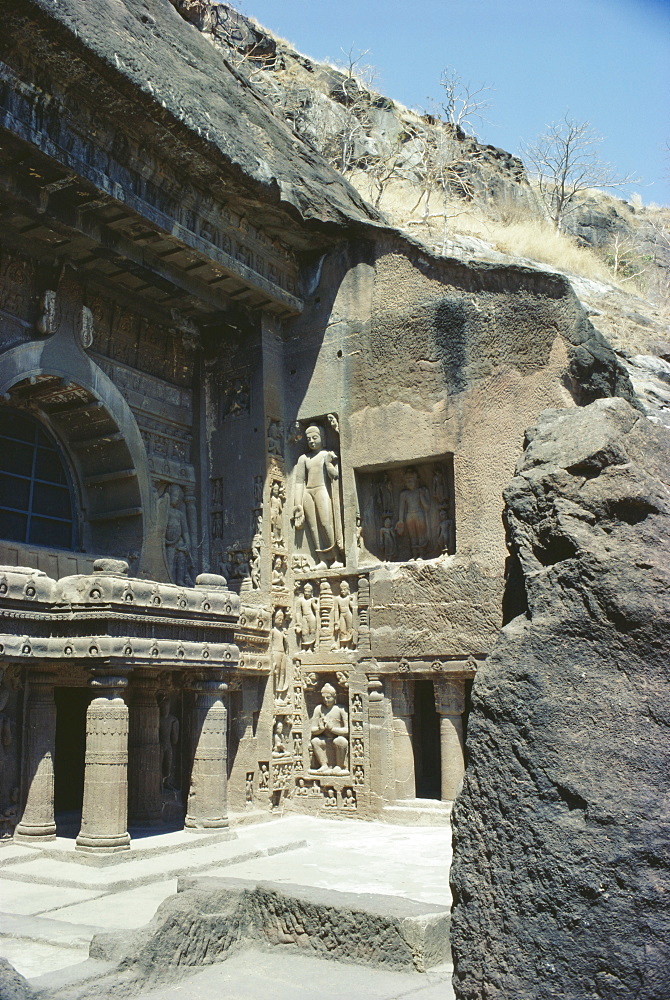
point(561, 874)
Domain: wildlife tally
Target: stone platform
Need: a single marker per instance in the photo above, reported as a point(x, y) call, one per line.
point(53, 907)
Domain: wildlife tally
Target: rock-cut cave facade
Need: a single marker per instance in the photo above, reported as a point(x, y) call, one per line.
point(253, 446)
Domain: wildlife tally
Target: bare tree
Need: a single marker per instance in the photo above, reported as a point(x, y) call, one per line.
point(462, 105)
point(565, 162)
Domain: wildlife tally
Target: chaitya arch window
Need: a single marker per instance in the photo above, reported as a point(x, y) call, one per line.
point(36, 503)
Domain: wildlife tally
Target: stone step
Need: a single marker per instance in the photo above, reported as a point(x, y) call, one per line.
point(418, 812)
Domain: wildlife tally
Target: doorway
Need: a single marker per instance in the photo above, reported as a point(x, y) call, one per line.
point(71, 705)
point(426, 741)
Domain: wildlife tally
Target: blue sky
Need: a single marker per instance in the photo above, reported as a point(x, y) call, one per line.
point(605, 61)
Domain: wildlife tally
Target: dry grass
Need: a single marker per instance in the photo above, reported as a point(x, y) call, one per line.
point(516, 233)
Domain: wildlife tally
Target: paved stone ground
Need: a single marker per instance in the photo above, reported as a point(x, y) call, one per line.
point(52, 901)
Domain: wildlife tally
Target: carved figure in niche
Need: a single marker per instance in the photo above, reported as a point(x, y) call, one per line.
point(297, 744)
point(359, 531)
point(255, 562)
point(258, 491)
point(359, 774)
point(439, 486)
point(344, 616)
point(276, 509)
point(307, 617)
point(275, 438)
point(178, 539)
point(445, 531)
point(358, 750)
point(301, 788)
point(357, 703)
point(279, 572)
point(278, 740)
point(413, 509)
point(280, 659)
point(330, 729)
point(384, 496)
point(264, 776)
point(249, 788)
point(330, 801)
point(217, 492)
point(348, 798)
point(316, 498)
point(334, 422)
point(168, 736)
point(387, 539)
point(316, 788)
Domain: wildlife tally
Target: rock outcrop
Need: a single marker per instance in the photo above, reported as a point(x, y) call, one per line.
point(561, 873)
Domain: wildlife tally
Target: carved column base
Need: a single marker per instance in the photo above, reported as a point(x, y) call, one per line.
point(450, 704)
point(402, 699)
point(37, 822)
point(104, 820)
point(207, 797)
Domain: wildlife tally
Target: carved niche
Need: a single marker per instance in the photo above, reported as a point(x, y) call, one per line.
point(407, 511)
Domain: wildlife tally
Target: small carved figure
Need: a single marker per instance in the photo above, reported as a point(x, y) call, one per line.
point(255, 562)
point(276, 509)
point(344, 613)
point(280, 659)
point(258, 491)
point(264, 776)
point(315, 789)
point(168, 736)
point(275, 438)
point(439, 486)
point(357, 702)
point(249, 787)
point(330, 729)
point(178, 539)
point(279, 572)
point(445, 531)
point(300, 787)
point(387, 540)
point(359, 774)
point(358, 750)
point(278, 744)
point(384, 496)
point(334, 422)
point(412, 516)
point(348, 798)
point(330, 800)
point(317, 500)
point(307, 617)
point(359, 531)
point(297, 744)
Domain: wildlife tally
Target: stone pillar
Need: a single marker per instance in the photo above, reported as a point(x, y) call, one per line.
point(381, 777)
point(207, 797)
point(402, 699)
point(37, 822)
point(145, 798)
point(104, 820)
point(450, 705)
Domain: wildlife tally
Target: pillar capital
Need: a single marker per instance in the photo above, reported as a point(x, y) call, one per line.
point(450, 695)
point(402, 696)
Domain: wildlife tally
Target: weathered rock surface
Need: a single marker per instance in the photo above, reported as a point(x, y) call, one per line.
point(12, 984)
point(146, 46)
point(211, 919)
point(561, 866)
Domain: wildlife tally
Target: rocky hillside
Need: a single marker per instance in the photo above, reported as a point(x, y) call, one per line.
point(463, 198)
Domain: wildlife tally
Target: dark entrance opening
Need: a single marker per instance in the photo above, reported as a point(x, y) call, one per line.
point(71, 705)
point(426, 741)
